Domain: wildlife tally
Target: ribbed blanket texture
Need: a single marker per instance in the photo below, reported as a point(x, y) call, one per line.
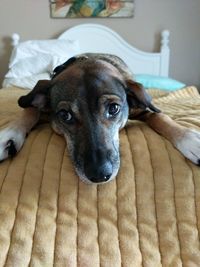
point(148, 216)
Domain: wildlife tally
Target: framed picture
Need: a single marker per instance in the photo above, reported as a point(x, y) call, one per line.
point(91, 8)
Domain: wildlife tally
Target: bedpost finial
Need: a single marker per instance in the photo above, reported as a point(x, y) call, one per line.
point(15, 39)
point(165, 39)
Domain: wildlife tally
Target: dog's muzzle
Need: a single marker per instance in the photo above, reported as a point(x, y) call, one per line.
point(99, 174)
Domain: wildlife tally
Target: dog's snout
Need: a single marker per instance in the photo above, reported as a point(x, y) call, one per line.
point(100, 180)
point(99, 174)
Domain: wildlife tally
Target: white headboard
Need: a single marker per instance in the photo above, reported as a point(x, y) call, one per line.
point(100, 39)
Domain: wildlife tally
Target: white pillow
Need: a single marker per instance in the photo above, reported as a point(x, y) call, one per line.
point(30, 65)
point(33, 60)
point(40, 63)
point(54, 47)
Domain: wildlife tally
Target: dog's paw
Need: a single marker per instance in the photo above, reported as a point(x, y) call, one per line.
point(189, 146)
point(11, 141)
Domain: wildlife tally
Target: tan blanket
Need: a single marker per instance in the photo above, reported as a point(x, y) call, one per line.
point(149, 216)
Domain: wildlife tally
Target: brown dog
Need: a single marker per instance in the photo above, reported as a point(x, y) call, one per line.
point(90, 98)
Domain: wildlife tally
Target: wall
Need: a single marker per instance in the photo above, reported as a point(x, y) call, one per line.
point(31, 20)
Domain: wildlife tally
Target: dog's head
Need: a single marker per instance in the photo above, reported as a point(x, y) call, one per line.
point(90, 102)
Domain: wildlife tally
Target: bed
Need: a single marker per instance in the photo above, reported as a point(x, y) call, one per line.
point(148, 216)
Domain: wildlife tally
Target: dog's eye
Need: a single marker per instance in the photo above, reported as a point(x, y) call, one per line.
point(64, 115)
point(113, 109)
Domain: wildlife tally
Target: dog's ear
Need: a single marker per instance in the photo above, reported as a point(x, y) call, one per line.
point(62, 67)
point(138, 98)
point(37, 97)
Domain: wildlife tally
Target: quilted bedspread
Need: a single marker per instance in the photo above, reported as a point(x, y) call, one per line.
point(148, 216)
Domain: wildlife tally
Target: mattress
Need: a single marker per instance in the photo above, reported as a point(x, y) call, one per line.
point(148, 216)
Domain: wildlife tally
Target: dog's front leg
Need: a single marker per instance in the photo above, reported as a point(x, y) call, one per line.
point(187, 141)
point(13, 136)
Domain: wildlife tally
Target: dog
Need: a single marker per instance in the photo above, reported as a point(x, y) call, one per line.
point(90, 99)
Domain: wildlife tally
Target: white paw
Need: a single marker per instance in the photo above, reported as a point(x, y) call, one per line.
point(189, 145)
point(11, 141)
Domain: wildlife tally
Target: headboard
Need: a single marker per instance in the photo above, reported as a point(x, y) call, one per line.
point(101, 39)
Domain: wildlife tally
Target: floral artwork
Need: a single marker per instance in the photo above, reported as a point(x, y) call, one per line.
point(91, 8)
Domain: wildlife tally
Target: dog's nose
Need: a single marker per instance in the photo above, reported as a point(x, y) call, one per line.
point(100, 174)
point(100, 179)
